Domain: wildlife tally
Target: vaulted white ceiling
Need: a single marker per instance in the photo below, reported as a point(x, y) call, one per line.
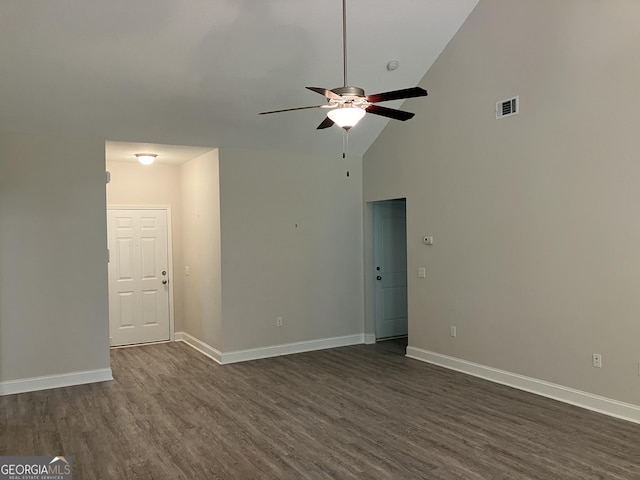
point(198, 72)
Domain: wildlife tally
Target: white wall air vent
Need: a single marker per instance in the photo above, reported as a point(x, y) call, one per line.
point(508, 107)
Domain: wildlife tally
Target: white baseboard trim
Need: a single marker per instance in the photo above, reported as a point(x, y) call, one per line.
point(199, 345)
point(289, 348)
point(23, 385)
point(369, 338)
point(224, 358)
point(607, 406)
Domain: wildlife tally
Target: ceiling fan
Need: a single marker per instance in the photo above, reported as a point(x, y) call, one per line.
point(349, 104)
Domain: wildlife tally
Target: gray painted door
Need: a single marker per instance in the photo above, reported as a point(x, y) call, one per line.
point(390, 263)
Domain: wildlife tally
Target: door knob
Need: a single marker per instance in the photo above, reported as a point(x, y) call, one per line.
point(378, 277)
point(164, 282)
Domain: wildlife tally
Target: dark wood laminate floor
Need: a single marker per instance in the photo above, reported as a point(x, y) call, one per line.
point(363, 412)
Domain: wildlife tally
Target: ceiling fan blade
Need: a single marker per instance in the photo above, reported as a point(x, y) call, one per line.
point(397, 95)
point(327, 93)
point(326, 123)
point(389, 112)
point(291, 109)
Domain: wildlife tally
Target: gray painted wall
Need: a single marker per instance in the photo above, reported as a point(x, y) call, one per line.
point(53, 256)
point(309, 274)
point(534, 216)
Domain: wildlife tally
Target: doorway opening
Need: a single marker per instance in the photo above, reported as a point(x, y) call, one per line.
point(183, 182)
point(140, 290)
point(390, 303)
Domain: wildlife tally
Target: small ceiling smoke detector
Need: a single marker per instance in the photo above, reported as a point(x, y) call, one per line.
point(393, 65)
point(146, 158)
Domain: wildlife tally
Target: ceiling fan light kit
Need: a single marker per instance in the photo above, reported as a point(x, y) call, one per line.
point(349, 104)
point(346, 116)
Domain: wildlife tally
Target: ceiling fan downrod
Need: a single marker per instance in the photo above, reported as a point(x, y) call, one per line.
point(344, 40)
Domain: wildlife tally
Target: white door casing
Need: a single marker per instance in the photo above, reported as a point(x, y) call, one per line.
point(139, 307)
point(390, 268)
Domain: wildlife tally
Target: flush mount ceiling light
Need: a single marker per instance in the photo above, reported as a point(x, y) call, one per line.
point(146, 158)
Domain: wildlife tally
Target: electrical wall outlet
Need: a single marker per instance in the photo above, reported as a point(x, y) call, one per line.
point(597, 360)
point(279, 322)
point(454, 331)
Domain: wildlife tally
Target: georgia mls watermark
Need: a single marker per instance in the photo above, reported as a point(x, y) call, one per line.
point(35, 468)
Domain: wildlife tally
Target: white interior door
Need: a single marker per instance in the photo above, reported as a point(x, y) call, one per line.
point(390, 263)
point(138, 276)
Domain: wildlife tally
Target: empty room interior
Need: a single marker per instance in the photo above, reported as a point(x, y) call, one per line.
point(328, 239)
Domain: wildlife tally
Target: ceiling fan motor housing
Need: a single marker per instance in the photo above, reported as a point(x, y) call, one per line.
point(349, 91)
